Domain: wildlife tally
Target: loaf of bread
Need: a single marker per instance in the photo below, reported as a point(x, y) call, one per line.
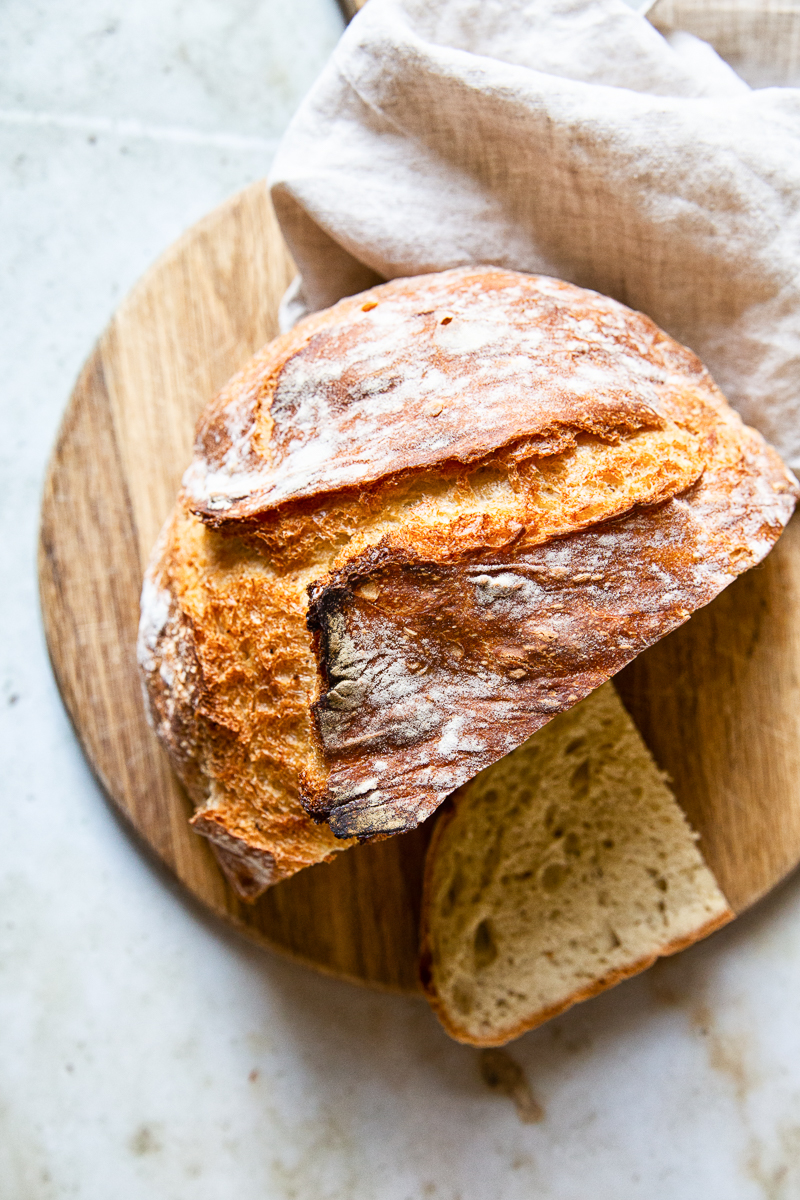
point(416, 528)
point(556, 873)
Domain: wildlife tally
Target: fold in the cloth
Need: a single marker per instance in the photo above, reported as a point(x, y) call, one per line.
point(563, 137)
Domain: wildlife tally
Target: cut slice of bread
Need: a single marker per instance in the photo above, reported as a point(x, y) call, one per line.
point(556, 873)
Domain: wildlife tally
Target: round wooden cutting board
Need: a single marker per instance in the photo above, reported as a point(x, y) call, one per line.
point(718, 701)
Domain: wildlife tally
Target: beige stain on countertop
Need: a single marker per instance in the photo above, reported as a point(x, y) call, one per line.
point(777, 1174)
point(772, 1164)
point(503, 1075)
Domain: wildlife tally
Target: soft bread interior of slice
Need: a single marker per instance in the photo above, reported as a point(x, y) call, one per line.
point(557, 872)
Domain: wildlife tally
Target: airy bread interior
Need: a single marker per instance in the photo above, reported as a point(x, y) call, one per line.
point(556, 873)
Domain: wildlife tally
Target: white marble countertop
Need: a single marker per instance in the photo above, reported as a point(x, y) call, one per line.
point(144, 1050)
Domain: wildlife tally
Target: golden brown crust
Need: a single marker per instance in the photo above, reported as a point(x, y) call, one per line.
point(561, 486)
point(224, 654)
point(427, 373)
point(249, 869)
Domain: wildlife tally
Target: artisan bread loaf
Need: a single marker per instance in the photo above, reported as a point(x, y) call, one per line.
point(559, 871)
point(416, 528)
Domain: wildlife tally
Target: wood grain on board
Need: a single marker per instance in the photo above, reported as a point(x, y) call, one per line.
point(718, 701)
point(351, 7)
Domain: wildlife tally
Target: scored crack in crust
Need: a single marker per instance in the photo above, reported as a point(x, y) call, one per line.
point(417, 527)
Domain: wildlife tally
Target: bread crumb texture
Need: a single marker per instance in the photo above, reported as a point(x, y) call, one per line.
point(558, 872)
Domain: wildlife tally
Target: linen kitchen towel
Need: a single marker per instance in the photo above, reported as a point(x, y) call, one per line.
point(567, 138)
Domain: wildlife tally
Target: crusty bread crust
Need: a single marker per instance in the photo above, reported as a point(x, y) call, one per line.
point(435, 372)
point(419, 526)
point(227, 687)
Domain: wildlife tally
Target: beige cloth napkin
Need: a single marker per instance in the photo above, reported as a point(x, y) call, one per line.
point(565, 137)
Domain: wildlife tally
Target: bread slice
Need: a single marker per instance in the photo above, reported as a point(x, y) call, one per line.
point(556, 873)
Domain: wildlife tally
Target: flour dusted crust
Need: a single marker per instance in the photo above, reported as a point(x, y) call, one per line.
point(439, 369)
point(434, 516)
